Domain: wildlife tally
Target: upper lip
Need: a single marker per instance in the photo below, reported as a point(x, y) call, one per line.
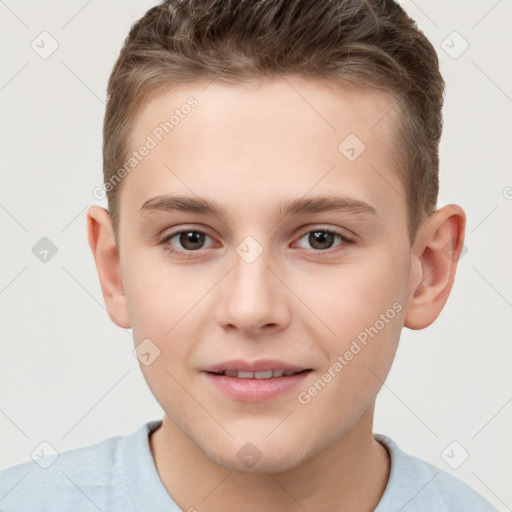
point(261, 365)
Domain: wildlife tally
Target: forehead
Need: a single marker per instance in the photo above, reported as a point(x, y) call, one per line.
point(244, 144)
point(262, 107)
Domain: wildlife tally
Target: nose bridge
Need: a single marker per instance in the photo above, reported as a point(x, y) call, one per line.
point(251, 297)
point(251, 276)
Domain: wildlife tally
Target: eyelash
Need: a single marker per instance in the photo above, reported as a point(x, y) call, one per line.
point(187, 254)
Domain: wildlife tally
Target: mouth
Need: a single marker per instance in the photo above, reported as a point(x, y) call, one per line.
point(257, 381)
point(268, 374)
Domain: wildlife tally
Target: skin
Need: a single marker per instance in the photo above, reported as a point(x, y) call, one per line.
point(249, 148)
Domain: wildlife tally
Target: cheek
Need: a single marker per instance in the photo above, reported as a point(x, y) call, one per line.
point(358, 361)
point(167, 306)
point(355, 297)
point(163, 311)
point(363, 306)
point(160, 295)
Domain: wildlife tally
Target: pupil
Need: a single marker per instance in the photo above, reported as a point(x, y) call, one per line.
point(191, 240)
point(321, 237)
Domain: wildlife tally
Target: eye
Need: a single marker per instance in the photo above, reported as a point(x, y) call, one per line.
point(193, 240)
point(190, 240)
point(321, 240)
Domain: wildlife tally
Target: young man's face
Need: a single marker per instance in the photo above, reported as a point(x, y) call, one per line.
point(253, 285)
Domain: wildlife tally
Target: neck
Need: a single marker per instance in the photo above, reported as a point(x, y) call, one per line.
point(351, 474)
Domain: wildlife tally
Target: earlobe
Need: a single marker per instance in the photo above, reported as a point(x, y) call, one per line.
point(436, 253)
point(108, 265)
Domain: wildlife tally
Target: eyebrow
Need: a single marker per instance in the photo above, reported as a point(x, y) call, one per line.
point(203, 206)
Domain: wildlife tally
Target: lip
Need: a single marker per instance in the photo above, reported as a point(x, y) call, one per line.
point(261, 365)
point(255, 390)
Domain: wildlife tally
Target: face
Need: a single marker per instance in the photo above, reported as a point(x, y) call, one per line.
point(257, 239)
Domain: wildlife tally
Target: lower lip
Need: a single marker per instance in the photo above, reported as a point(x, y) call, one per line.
point(255, 390)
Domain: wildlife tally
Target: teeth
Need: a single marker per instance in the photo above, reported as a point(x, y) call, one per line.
point(269, 374)
point(263, 375)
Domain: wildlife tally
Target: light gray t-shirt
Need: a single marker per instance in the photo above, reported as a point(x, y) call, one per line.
point(119, 475)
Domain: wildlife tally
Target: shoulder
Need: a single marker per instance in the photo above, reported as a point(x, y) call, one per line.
point(81, 479)
point(415, 485)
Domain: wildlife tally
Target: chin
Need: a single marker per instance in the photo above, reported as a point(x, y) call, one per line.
point(273, 465)
point(262, 458)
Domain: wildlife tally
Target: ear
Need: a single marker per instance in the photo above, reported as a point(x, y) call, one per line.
point(106, 256)
point(435, 256)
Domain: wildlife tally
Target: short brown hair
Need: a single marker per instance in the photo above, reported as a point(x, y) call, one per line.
point(371, 43)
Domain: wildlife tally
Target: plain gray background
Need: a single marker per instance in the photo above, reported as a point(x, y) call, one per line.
point(68, 375)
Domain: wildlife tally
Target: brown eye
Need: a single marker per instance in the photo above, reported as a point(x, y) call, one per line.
point(321, 239)
point(185, 242)
point(191, 240)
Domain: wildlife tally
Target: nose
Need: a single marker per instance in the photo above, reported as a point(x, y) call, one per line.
point(253, 299)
